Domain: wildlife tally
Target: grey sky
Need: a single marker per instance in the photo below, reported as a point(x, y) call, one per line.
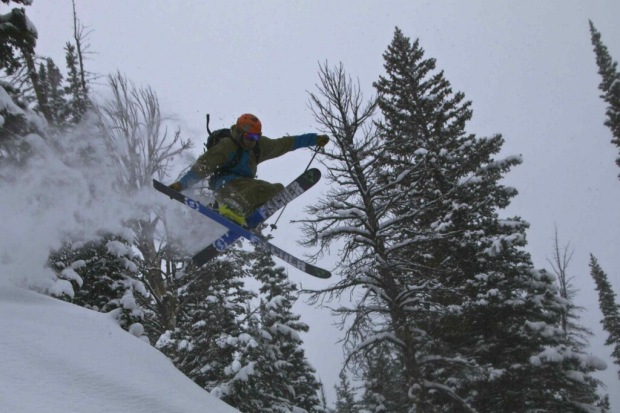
point(527, 66)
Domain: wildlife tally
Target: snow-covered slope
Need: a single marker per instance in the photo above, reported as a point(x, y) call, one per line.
point(56, 357)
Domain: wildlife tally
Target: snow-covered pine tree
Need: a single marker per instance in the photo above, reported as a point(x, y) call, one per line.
point(296, 377)
point(492, 318)
point(75, 89)
point(281, 379)
point(17, 51)
point(385, 383)
point(575, 334)
point(446, 281)
point(357, 212)
point(16, 118)
point(610, 86)
point(16, 35)
point(53, 93)
point(208, 329)
point(345, 395)
point(103, 274)
point(609, 308)
point(18, 121)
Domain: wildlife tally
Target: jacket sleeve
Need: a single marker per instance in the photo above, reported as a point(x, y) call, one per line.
point(208, 162)
point(272, 148)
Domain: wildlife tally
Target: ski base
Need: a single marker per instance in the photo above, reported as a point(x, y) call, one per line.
point(301, 184)
point(237, 231)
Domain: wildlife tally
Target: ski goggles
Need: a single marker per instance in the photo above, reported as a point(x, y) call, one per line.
point(252, 136)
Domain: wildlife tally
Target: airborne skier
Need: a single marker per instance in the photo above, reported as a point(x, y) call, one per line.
point(232, 164)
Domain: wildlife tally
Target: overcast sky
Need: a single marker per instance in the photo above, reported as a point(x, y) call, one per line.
point(527, 66)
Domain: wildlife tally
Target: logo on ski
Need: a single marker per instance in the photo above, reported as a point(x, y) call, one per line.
point(191, 203)
point(220, 245)
point(283, 198)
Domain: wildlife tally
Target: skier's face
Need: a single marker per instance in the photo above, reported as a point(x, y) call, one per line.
point(249, 140)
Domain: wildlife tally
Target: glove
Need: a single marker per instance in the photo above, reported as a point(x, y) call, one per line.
point(321, 140)
point(177, 186)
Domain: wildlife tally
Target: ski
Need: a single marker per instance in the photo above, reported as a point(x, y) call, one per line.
point(301, 184)
point(242, 232)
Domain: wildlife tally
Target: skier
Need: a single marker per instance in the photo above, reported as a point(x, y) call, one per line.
point(231, 164)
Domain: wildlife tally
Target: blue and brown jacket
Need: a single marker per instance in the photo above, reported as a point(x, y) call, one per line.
point(220, 159)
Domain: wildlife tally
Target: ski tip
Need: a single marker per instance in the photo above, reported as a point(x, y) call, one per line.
point(321, 273)
point(316, 174)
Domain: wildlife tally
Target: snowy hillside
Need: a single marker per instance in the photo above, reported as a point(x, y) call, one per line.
point(56, 357)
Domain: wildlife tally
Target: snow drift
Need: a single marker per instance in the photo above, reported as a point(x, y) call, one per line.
point(56, 357)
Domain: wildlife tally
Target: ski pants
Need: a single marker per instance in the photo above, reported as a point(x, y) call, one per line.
point(246, 194)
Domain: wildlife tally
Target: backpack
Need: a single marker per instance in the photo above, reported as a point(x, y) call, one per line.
point(216, 137)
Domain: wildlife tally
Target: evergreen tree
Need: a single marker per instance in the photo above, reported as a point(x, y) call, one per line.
point(17, 52)
point(484, 288)
point(16, 122)
point(77, 92)
point(610, 86)
point(297, 378)
point(609, 308)
point(53, 95)
point(104, 277)
point(385, 387)
point(447, 284)
point(280, 380)
point(208, 327)
point(345, 396)
point(16, 35)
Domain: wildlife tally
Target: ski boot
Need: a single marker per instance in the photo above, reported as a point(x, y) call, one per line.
point(229, 213)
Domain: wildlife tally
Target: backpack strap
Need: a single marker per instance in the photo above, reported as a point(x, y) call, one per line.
point(226, 168)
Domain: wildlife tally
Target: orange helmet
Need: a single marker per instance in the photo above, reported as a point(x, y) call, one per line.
point(249, 123)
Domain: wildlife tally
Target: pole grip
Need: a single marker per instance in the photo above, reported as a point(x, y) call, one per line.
point(208, 118)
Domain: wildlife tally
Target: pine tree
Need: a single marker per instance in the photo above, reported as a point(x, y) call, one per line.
point(610, 86)
point(360, 210)
point(103, 274)
point(17, 120)
point(345, 396)
point(281, 380)
point(609, 308)
point(284, 326)
point(16, 35)
point(385, 387)
point(52, 92)
point(447, 285)
point(208, 330)
point(17, 51)
point(484, 289)
point(78, 94)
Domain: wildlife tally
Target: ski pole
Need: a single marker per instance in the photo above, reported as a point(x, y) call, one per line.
point(274, 225)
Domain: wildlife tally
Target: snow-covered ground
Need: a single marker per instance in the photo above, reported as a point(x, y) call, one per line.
point(56, 357)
